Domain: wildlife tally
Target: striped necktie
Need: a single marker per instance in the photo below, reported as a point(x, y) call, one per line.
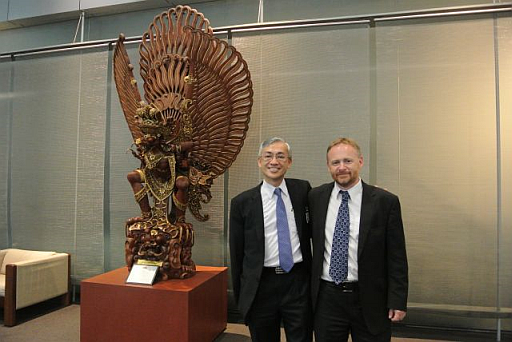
point(283, 234)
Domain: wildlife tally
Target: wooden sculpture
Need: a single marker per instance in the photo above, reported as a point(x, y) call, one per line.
point(188, 131)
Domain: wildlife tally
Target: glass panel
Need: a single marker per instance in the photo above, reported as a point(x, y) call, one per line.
point(44, 153)
point(57, 164)
point(309, 88)
point(5, 119)
point(504, 35)
point(436, 148)
point(90, 165)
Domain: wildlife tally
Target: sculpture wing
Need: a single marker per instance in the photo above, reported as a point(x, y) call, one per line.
point(161, 43)
point(126, 85)
point(201, 91)
point(221, 102)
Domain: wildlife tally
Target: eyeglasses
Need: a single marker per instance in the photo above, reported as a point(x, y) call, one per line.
point(280, 157)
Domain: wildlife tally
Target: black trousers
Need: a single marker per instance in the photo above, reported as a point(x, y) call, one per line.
point(338, 313)
point(282, 298)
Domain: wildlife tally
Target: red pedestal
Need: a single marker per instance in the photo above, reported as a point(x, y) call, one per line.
point(188, 310)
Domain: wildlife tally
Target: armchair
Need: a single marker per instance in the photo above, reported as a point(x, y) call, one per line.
point(29, 277)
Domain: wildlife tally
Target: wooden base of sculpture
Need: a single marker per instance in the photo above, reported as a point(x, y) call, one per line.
point(193, 309)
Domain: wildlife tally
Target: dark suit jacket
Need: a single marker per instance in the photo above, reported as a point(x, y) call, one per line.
point(247, 239)
point(382, 260)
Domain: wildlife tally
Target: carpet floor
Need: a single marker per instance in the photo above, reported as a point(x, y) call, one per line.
point(52, 323)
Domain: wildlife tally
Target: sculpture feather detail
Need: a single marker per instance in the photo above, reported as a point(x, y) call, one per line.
point(222, 100)
point(126, 85)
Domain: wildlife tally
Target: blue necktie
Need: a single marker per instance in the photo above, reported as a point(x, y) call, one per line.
point(283, 234)
point(338, 269)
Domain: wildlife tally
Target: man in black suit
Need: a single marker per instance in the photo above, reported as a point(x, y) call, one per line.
point(359, 273)
point(271, 252)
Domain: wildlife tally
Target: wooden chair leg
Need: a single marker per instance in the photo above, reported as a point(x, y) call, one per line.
point(10, 296)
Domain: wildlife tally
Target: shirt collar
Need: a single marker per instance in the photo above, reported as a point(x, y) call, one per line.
point(268, 189)
point(353, 191)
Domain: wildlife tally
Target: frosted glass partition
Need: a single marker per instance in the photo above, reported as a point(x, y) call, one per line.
point(90, 164)
point(436, 148)
point(310, 86)
point(5, 100)
point(57, 156)
point(504, 36)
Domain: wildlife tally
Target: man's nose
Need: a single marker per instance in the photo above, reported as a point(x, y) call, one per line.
point(342, 166)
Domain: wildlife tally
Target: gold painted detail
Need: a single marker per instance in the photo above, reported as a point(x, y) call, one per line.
point(159, 212)
point(149, 262)
point(180, 205)
point(184, 105)
point(187, 129)
point(161, 189)
point(199, 192)
point(141, 194)
point(189, 79)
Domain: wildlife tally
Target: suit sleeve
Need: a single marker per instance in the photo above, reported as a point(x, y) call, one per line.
point(397, 260)
point(236, 245)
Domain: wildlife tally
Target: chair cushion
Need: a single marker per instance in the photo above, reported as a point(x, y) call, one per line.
point(2, 285)
point(16, 255)
point(3, 252)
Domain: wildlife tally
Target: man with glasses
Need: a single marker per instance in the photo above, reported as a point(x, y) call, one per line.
point(270, 250)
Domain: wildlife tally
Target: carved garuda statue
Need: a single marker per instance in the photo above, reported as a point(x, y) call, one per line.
point(188, 131)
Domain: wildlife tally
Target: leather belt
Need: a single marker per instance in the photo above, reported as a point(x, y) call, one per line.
point(345, 287)
point(279, 270)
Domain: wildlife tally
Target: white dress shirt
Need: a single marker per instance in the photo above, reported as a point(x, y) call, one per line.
point(354, 208)
point(269, 200)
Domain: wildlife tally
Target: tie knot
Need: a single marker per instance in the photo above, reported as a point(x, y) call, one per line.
point(277, 191)
point(344, 195)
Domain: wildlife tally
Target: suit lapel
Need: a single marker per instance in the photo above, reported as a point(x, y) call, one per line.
point(297, 212)
point(323, 205)
point(366, 217)
point(257, 206)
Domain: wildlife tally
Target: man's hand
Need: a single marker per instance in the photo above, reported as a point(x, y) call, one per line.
point(396, 315)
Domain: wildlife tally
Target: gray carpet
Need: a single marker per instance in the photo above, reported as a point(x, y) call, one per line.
point(49, 322)
point(56, 324)
point(61, 325)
